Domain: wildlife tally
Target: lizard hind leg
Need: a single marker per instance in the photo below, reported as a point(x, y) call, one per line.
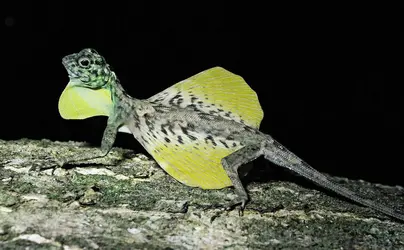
point(231, 164)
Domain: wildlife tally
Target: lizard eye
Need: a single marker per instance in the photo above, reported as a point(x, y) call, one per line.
point(84, 62)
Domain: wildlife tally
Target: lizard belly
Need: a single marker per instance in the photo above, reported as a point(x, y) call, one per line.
point(124, 129)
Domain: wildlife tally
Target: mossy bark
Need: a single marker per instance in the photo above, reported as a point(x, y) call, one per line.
point(125, 201)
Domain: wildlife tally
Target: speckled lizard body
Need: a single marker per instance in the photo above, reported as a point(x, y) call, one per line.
point(174, 125)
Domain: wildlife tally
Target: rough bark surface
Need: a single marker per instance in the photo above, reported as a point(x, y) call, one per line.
point(125, 201)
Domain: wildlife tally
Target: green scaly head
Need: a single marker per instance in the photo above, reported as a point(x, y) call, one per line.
point(88, 92)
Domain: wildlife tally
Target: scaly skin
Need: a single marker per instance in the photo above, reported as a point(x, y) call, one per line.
point(148, 121)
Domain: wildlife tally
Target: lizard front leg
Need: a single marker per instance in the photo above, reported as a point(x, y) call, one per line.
point(231, 163)
point(107, 142)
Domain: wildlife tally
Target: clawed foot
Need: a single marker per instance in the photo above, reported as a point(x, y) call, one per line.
point(51, 162)
point(240, 203)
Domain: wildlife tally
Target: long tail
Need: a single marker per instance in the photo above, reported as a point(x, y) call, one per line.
point(281, 156)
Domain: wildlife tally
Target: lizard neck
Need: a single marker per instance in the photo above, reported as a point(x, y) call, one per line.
point(123, 102)
point(118, 94)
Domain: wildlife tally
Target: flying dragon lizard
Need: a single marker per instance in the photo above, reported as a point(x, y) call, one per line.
point(200, 130)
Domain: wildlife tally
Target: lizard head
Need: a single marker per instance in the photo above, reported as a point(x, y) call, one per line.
point(88, 92)
point(87, 68)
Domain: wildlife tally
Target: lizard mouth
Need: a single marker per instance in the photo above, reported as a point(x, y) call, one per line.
point(71, 74)
point(69, 71)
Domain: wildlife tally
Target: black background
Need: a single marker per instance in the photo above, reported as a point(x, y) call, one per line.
point(323, 72)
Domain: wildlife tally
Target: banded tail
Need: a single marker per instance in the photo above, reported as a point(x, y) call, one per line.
point(281, 156)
